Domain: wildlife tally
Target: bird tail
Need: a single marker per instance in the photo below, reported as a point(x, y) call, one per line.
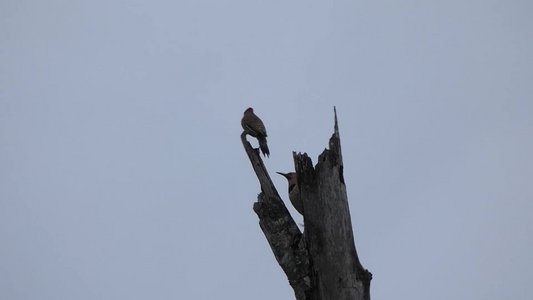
point(264, 147)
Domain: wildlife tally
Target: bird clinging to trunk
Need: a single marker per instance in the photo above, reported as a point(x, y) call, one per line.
point(253, 126)
point(294, 191)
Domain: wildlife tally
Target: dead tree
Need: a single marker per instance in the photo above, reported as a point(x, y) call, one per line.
point(321, 263)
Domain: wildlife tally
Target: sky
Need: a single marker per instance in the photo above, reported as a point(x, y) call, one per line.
point(122, 174)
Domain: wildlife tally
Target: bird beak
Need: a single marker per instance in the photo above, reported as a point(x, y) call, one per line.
point(284, 175)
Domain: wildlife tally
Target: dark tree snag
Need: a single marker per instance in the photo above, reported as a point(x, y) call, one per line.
point(338, 273)
point(282, 233)
point(323, 265)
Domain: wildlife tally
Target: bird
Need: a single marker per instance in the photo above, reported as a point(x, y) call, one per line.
point(253, 126)
point(294, 191)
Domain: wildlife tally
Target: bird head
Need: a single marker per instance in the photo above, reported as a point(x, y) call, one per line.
point(249, 110)
point(289, 175)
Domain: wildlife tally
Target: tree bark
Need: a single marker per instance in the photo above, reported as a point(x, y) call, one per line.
point(322, 263)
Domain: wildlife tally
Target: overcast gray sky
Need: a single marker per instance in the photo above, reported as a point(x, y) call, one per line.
point(122, 175)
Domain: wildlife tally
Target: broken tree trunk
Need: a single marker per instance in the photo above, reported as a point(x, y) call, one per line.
point(321, 264)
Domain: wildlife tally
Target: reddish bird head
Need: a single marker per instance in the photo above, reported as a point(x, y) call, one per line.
point(249, 109)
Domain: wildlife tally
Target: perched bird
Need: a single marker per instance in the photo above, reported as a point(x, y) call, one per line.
point(253, 126)
point(294, 191)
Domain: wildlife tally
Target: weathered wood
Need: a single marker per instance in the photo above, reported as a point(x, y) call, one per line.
point(323, 264)
point(338, 274)
point(281, 232)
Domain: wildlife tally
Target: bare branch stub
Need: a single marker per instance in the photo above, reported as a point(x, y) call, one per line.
point(282, 233)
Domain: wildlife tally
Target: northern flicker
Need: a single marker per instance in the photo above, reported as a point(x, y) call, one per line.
point(253, 126)
point(294, 191)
